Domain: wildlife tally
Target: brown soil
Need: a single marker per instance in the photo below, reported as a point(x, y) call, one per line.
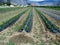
point(22, 38)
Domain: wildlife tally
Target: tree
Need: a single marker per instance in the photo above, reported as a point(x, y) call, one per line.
point(8, 2)
point(1, 2)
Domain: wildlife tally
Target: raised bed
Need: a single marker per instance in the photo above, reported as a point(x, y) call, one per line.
point(53, 28)
point(11, 21)
point(27, 24)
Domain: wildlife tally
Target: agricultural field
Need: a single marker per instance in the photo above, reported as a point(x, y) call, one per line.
point(29, 26)
point(51, 7)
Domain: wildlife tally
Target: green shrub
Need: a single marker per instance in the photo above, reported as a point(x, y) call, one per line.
point(11, 43)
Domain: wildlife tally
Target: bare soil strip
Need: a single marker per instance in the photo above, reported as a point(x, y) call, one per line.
point(12, 30)
point(46, 38)
point(50, 18)
point(37, 36)
point(51, 37)
point(53, 20)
